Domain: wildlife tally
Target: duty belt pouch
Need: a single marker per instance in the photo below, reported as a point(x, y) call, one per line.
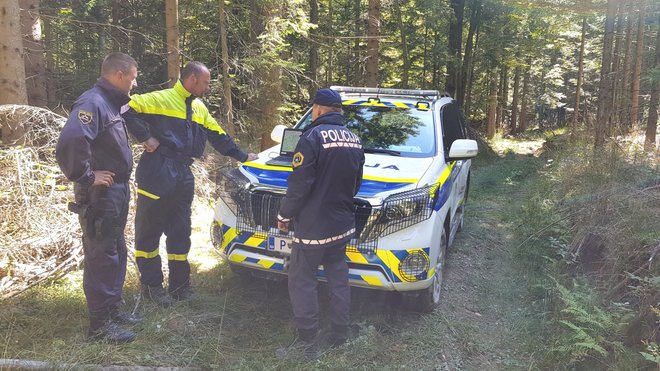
point(103, 228)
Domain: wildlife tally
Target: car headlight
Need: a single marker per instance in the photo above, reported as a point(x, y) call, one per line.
point(398, 211)
point(413, 266)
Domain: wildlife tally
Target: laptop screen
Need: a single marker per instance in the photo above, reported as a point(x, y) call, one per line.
point(289, 141)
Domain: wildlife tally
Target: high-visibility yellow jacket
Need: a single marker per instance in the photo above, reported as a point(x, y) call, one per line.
point(181, 123)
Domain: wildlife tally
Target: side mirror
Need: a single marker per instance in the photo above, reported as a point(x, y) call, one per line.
point(276, 134)
point(463, 149)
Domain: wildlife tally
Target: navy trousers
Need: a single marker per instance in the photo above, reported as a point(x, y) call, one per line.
point(170, 215)
point(104, 247)
point(303, 285)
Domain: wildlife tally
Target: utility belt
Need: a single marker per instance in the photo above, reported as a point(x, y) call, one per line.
point(175, 155)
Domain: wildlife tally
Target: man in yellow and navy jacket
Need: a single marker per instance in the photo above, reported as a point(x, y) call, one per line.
point(173, 126)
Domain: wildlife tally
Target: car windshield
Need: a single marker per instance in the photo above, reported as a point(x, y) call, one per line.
point(406, 132)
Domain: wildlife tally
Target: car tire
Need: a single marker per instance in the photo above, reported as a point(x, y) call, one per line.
point(427, 300)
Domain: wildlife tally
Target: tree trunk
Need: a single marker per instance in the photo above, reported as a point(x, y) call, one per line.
point(12, 70)
point(475, 18)
point(423, 83)
point(228, 113)
point(580, 76)
point(331, 47)
point(492, 105)
point(35, 71)
point(652, 125)
point(172, 25)
point(313, 65)
point(373, 32)
point(523, 100)
point(605, 85)
point(51, 82)
point(637, 69)
point(624, 96)
point(455, 41)
point(516, 99)
point(503, 96)
point(470, 78)
point(404, 44)
point(616, 63)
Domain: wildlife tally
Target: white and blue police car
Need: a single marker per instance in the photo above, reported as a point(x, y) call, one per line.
point(408, 209)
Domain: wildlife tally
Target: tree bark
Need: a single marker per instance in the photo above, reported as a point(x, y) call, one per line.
point(652, 124)
point(580, 76)
point(516, 99)
point(470, 77)
point(404, 44)
point(637, 69)
point(331, 47)
point(373, 32)
point(455, 41)
point(35, 71)
point(12, 70)
point(228, 110)
point(172, 25)
point(475, 18)
point(624, 96)
point(605, 85)
point(313, 64)
point(523, 99)
point(616, 63)
point(492, 105)
point(503, 95)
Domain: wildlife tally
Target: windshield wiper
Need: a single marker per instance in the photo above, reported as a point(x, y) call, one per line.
point(382, 150)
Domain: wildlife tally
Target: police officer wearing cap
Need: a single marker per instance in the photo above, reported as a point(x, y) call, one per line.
point(327, 173)
point(93, 151)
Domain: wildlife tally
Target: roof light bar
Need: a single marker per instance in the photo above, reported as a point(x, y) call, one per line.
point(386, 91)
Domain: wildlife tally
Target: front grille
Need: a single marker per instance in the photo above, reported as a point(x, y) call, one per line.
point(257, 213)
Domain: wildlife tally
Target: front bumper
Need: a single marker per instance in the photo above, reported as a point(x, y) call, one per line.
point(380, 270)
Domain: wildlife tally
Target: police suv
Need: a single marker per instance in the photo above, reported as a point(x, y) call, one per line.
point(408, 209)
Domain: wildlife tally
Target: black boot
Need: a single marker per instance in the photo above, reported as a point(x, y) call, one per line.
point(124, 318)
point(306, 345)
point(110, 332)
point(183, 293)
point(157, 294)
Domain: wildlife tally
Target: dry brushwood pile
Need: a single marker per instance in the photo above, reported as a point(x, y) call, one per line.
point(41, 239)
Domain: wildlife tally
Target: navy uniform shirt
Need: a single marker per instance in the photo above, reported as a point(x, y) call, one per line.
point(94, 136)
point(327, 173)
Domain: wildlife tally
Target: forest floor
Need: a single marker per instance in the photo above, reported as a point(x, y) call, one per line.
point(487, 319)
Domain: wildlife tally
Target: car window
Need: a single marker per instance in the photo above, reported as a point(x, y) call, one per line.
point(452, 126)
point(408, 131)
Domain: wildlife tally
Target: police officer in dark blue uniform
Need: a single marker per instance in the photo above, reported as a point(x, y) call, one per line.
point(93, 151)
point(327, 173)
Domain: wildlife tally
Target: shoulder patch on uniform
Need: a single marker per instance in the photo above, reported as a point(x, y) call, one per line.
point(85, 117)
point(297, 159)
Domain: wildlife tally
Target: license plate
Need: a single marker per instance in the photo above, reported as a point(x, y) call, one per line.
point(279, 244)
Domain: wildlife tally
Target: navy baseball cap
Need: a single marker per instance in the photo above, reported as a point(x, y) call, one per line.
point(327, 97)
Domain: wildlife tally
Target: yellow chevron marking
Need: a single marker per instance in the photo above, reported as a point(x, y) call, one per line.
point(356, 257)
point(390, 180)
point(349, 102)
point(400, 105)
point(267, 167)
point(431, 272)
point(266, 263)
point(443, 177)
point(228, 237)
point(237, 258)
point(371, 280)
point(391, 261)
point(254, 241)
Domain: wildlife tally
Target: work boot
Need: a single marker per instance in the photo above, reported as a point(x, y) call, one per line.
point(124, 318)
point(110, 332)
point(183, 293)
point(303, 346)
point(156, 294)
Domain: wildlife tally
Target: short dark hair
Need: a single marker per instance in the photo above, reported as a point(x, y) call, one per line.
point(117, 61)
point(193, 68)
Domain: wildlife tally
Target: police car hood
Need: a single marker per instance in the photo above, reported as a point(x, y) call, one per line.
point(383, 174)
